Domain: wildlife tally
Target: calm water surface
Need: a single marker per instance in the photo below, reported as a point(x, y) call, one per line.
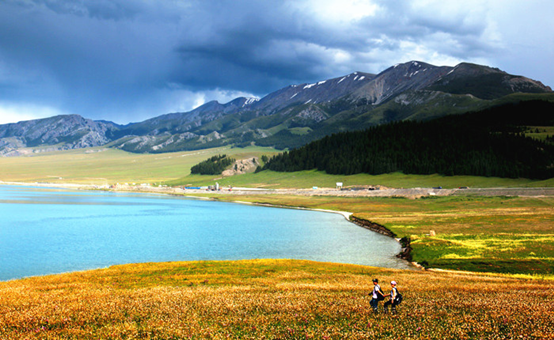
point(44, 231)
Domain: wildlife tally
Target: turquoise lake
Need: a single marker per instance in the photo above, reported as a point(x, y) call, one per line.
point(48, 231)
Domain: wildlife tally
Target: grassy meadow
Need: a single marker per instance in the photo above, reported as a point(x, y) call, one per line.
point(271, 299)
point(308, 179)
point(540, 132)
point(101, 166)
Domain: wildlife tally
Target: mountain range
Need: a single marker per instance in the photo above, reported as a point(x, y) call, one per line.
point(291, 116)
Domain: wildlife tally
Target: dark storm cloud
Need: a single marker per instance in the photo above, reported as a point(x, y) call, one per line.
point(272, 45)
point(254, 48)
point(84, 53)
point(127, 60)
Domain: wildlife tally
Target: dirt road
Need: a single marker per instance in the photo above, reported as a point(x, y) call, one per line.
point(409, 193)
point(374, 192)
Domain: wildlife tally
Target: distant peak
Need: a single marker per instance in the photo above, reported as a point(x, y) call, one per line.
point(412, 63)
point(250, 101)
point(356, 73)
point(410, 68)
point(475, 69)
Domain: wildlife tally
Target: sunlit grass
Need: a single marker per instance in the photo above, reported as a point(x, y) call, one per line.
point(271, 299)
point(308, 179)
point(110, 166)
point(540, 132)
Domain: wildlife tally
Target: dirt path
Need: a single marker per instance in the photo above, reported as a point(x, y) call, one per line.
point(379, 192)
point(409, 193)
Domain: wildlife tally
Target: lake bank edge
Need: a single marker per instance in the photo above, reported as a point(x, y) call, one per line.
point(404, 254)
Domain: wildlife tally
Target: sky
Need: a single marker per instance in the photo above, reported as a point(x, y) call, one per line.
point(130, 60)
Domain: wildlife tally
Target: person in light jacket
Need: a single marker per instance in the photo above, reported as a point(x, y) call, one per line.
point(393, 299)
point(377, 295)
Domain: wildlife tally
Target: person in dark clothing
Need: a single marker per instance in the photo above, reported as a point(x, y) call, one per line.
point(377, 295)
point(393, 302)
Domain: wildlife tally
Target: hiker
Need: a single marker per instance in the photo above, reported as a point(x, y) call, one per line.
point(376, 296)
point(394, 299)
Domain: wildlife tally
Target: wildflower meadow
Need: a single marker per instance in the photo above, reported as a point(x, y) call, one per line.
point(272, 299)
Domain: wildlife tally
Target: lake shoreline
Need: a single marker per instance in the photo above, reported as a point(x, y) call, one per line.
point(54, 189)
point(404, 255)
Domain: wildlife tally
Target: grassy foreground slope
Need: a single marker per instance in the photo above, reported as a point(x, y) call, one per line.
point(271, 299)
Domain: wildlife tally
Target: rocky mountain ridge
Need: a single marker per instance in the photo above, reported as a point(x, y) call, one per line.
point(288, 117)
point(59, 133)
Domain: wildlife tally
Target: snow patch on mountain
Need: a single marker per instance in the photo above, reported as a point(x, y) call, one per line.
point(250, 101)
